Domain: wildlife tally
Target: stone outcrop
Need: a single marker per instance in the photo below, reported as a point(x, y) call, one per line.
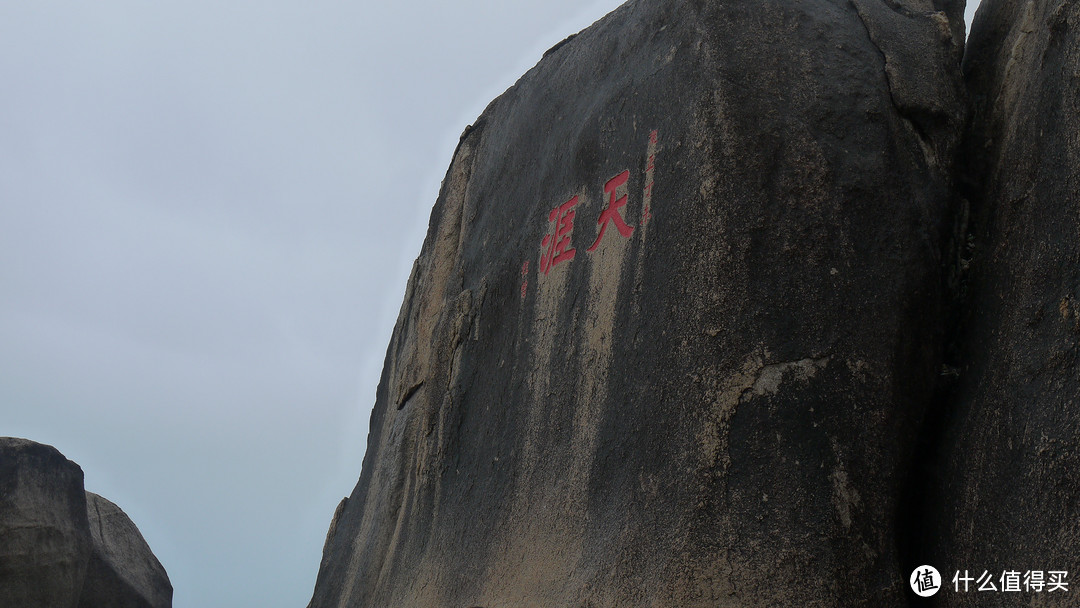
point(44, 533)
point(676, 321)
point(62, 547)
point(123, 572)
point(1007, 476)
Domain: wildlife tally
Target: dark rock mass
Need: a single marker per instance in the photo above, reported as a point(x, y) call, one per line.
point(123, 572)
point(1008, 482)
point(62, 547)
point(676, 322)
point(44, 534)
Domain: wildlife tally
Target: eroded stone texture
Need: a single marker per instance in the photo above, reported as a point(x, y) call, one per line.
point(44, 536)
point(716, 402)
point(1009, 482)
point(123, 571)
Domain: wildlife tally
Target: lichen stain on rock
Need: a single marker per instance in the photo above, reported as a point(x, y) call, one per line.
point(601, 306)
point(770, 377)
point(566, 326)
point(844, 496)
point(1020, 58)
point(722, 394)
point(429, 285)
point(754, 377)
point(549, 349)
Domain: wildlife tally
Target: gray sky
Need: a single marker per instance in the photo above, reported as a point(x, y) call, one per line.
point(208, 212)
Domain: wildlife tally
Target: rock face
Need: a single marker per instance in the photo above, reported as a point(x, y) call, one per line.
point(1009, 481)
point(63, 547)
point(675, 323)
point(123, 572)
point(44, 534)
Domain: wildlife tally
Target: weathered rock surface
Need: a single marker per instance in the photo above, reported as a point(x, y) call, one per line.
point(675, 323)
point(44, 535)
point(123, 571)
point(62, 547)
point(1008, 487)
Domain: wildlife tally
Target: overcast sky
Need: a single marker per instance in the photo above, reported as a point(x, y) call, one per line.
point(208, 212)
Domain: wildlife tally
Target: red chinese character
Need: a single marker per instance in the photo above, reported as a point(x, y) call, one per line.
point(556, 245)
point(611, 212)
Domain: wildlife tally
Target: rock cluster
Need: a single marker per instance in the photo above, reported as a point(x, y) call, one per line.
point(739, 304)
point(63, 547)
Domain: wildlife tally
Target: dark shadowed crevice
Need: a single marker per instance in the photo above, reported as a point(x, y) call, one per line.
point(918, 512)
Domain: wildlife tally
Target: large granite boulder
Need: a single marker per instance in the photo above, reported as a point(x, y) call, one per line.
point(44, 534)
point(676, 321)
point(123, 571)
point(63, 547)
point(1008, 479)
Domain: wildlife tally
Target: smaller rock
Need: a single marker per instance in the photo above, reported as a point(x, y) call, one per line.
point(123, 571)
